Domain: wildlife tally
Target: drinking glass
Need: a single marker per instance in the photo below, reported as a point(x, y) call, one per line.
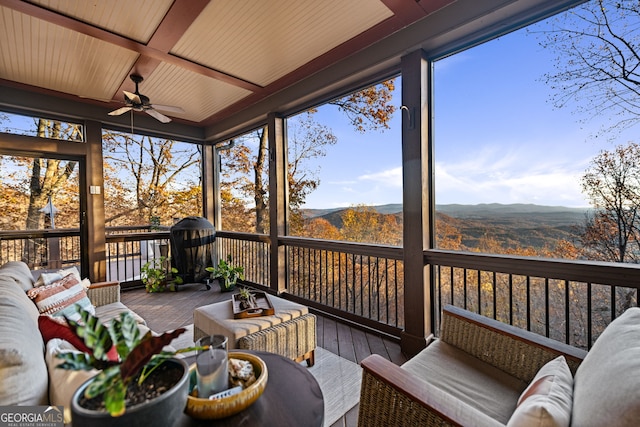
point(212, 365)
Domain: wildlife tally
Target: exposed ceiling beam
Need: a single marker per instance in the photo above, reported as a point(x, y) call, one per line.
point(145, 50)
point(176, 22)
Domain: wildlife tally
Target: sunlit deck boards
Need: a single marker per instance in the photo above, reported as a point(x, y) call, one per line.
point(171, 310)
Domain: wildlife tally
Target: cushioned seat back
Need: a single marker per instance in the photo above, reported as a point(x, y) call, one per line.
point(607, 384)
point(23, 371)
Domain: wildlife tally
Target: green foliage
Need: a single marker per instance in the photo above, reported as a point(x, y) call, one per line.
point(226, 272)
point(154, 223)
point(138, 356)
point(155, 278)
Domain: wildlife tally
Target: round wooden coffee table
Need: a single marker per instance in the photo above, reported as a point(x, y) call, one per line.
point(292, 397)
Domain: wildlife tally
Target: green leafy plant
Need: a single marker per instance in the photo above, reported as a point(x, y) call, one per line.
point(138, 356)
point(154, 223)
point(247, 298)
point(227, 273)
point(154, 275)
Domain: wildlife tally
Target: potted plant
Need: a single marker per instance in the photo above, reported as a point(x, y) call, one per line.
point(227, 274)
point(139, 382)
point(247, 299)
point(155, 278)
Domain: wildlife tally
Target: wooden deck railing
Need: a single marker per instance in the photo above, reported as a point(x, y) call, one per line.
point(356, 282)
point(248, 250)
point(567, 300)
point(129, 248)
point(359, 282)
point(52, 248)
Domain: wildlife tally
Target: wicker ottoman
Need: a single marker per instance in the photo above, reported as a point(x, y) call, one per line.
point(290, 332)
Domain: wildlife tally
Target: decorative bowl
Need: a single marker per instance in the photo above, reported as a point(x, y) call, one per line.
point(226, 406)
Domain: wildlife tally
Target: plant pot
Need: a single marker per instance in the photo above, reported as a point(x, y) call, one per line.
point(164, 410)
point(226, 286)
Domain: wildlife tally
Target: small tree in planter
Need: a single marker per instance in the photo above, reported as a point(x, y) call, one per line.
point(227, 274)
point(127, 359)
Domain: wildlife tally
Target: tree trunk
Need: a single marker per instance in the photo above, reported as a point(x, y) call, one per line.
point(260, 191)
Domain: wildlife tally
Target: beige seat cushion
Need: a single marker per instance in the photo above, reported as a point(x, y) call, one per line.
point(218, 319)
point(474, 382)
point(607, 385)
point(110, 311)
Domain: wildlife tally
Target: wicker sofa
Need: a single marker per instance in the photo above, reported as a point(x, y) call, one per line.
point(481, 372)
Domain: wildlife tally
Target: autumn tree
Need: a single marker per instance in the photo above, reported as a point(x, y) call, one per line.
point(320, 228)
point(598, 60)
point(150, 177)
point(612, 184)
point(32, 182)
point(49, 176)
point(364, 224)
point(367, 109)
point(448, 236)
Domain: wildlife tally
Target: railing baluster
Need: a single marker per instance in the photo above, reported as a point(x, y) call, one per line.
point(546, 311)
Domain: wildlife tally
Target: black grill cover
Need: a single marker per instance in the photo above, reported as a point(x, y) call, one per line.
point(192, 248)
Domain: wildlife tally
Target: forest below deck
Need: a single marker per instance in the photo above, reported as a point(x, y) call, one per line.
point(523, 229)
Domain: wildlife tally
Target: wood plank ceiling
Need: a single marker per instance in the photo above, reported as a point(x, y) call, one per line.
point(209, 58)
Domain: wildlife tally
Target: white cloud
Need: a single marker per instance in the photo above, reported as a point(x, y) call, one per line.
point(513, 176)
point(389, 177)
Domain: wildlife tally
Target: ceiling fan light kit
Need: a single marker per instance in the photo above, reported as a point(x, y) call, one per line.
point(138, 102)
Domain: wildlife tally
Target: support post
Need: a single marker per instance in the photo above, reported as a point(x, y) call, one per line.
point(278, 200)
point(92, 210)
point(211, 185)
point(418, 199)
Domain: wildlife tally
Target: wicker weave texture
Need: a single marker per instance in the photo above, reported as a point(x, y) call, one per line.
point(519, 358)
point(104, 295)
point(382, 406)
point(290, 339)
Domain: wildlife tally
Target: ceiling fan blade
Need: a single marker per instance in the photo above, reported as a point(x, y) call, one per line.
point(133, 97)
point(161, 117)
point(119, 111)
point(169, 108)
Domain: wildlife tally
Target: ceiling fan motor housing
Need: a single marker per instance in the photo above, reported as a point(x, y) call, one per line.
point(138, 102)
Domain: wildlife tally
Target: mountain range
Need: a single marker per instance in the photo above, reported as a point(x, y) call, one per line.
point(525, 225)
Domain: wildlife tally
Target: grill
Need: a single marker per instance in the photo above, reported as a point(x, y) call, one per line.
point(193, 248)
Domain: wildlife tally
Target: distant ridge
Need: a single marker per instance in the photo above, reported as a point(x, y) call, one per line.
point(467, 211)
point(517, 225)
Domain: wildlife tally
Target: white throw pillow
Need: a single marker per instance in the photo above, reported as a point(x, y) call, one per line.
point(49, 278)
point(547, 401)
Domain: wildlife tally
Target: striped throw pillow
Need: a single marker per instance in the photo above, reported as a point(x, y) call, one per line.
point(60, 298)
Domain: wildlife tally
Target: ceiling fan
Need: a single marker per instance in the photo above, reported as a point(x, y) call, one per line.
point(138, 102)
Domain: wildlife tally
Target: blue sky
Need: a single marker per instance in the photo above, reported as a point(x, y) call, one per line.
point(498, 137)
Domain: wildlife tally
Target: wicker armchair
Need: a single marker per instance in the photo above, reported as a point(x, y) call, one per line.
point(410, 396)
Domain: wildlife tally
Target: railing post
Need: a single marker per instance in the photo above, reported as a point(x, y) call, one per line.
point(418, 200)
point(278, 200)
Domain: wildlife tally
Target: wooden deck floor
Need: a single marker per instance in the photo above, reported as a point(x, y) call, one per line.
point(171, 310)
